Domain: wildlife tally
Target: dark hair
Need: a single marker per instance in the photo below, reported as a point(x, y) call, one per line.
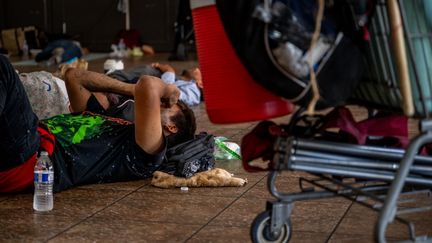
point(186, 125)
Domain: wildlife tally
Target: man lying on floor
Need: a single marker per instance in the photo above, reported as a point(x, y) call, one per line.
point(189, 82)
point(122, 106)
point(86, 147)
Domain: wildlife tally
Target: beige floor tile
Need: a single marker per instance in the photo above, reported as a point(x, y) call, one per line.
point(171, 208)
point(19, 222)
point(362, 221)
point(118, 186)
point(33, 227)
point(242, 234)
point(351, 238)
point(83, 203)
point(306, 216)
point(119, 230)
point(240, 214)
point(308, 237)
point(222, 235)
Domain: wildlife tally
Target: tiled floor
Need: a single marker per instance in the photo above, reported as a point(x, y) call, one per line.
point(137, 212)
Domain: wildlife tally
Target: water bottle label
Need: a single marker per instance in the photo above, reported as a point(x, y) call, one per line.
point(43, 176)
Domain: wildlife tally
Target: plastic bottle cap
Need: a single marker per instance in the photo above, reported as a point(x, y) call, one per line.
point(43, 153)
point(184, 188)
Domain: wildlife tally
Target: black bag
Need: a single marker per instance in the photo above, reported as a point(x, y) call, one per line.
point(190, 157)
point(258, 34)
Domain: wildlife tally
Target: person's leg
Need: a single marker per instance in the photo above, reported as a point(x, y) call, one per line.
point(46, 53)
point(133, 75)
point(146, 70)
point(18, 123)
point(147, 50)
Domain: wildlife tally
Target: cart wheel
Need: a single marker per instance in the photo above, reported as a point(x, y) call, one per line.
point(260, 230)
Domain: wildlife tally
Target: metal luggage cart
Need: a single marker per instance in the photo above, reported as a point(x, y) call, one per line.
point(359, 173)
point(372, 176)
point(375, 177)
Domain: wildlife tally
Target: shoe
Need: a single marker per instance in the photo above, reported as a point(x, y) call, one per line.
point(136, 52)
point(112, 65)
point(57, 55)
point(117, 52)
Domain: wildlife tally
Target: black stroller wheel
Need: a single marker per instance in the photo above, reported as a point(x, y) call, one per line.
point(261, 233)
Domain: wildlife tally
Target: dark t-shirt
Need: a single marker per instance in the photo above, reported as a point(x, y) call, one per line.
point(92, 148)
point(125, 110)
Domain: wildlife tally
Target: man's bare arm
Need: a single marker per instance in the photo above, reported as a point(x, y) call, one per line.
point(81, 84)
point(150, 94)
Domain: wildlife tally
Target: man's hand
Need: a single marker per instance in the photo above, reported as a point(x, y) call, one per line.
point(170, 95)
point(163, 67)
point(194, 74)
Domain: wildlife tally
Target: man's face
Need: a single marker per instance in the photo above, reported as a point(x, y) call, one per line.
point(169, 112)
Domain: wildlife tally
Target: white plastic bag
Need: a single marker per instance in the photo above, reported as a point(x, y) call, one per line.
point(225, 150)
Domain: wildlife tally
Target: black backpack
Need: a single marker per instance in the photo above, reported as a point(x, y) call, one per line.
point(190, 157)
point(258, 34)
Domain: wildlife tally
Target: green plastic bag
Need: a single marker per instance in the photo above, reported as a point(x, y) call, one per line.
point(225, 150)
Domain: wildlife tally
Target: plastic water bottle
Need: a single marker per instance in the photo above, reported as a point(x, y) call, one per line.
point(122, 45)
point(25, 49)
point(122, 49)
point(43, 199)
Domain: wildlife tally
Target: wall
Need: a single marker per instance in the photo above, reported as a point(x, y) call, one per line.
point(154, 19)
point(2, 15)
point(22, 13)
point(96, 22)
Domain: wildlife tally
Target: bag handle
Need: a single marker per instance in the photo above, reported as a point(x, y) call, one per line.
point(313, 80)
point(397, 34)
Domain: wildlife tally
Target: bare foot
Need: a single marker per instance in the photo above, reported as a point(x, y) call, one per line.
point(147, 50)
point(79, 63)
point(83, 64)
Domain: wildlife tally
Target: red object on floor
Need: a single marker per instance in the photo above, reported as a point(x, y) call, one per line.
point(230, 93)
point(21, 177)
